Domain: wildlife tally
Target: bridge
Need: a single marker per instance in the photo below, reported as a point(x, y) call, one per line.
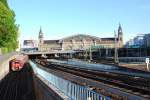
point(70, 79)
point(51, 54)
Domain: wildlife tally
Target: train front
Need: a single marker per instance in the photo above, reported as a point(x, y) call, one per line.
point(18, 63)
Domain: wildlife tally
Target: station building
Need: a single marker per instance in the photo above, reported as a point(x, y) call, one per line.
point(80, 42)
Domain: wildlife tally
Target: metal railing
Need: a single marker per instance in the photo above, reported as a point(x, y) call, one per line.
point(72, 90)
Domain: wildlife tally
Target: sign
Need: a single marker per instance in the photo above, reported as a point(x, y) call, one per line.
point(147, 62)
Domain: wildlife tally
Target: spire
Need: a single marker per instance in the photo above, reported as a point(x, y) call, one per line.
point(119, 29)
point(40, 30)
point(119, 24)
point(40, 33)
point(41, 38)
point(120, 36)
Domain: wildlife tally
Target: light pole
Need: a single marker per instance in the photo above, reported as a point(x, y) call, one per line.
point(85, 55)
point(90, 53)
point(116, 50)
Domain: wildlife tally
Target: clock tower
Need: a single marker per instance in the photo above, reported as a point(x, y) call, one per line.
point(40, 39)
point(120, 36)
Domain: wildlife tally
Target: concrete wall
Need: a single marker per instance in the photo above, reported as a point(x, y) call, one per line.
point(4, 64)
point(43, 92)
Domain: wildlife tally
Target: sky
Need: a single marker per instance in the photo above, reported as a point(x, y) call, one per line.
point(61, 18)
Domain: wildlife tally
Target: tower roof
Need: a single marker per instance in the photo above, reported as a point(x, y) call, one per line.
point(119, 29)
point(120, 26)
point(40, 33)
point(40, 30)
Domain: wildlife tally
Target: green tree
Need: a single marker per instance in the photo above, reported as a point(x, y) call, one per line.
point(8, 28)
point(4, 2)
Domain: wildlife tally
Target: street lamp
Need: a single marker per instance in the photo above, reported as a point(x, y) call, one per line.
point(90, 54)
point(116, 50)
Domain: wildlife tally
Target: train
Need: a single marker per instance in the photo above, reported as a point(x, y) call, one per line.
point(18, 62)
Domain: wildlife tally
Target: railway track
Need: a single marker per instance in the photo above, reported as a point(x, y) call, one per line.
point(136, 85)
point(17, 85)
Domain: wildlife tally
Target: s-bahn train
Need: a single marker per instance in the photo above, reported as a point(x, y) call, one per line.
point(18, 62)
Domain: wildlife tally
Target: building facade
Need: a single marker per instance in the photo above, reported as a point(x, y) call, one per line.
point(30, 43)
point(136, 42)
point(80, 42)
point(141, 40)
point(146, 40)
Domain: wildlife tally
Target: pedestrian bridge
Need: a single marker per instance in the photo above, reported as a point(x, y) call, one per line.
point(50, 52)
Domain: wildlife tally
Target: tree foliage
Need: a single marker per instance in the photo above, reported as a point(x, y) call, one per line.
point(4, 2)
point(8, 28)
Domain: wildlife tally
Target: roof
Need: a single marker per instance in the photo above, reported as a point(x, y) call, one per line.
point(51, 41)
point(80, 36)
point(108, 39)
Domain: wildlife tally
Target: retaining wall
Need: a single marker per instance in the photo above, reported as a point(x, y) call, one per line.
point(4, 63)
point(43, 92)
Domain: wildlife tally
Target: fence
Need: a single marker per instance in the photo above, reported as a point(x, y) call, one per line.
point(72, 90)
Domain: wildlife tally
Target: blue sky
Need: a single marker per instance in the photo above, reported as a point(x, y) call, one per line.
point(60, 18)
